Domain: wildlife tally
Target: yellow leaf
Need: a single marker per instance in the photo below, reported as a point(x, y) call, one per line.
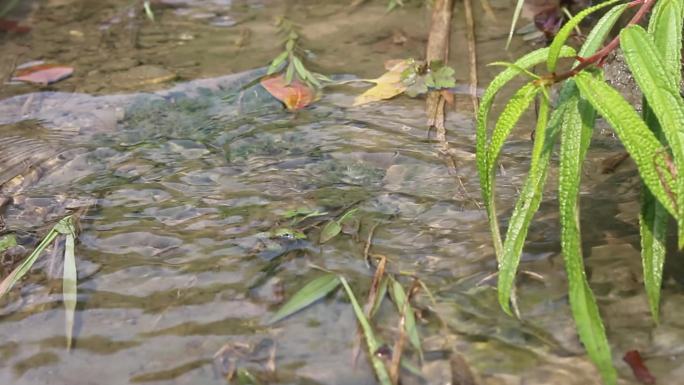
point(386, 86)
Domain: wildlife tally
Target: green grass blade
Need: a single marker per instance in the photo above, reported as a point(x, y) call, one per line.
point(633, 132)
point(371, 342)
point(69, 287)
point(577, 125)
point(400, 299)
point(148, 10)
point(21, 270)
point(310, 293)
point(566, 30)
point(514, 22)
point(524, 210)
point(601, 30)
point(663, 95)
point(382, 292)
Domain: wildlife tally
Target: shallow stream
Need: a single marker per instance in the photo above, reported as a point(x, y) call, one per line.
point(184, 183)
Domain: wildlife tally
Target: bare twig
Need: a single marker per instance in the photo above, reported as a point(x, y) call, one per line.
point(472, 54)
point(367, 247)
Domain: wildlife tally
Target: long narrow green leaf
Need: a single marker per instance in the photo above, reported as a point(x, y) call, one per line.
point(566, 30)
point(653, 229)
point(601, 30)
point(400, 299)
point(653, 221)
point(576, 129)
point(663, 95)
point(310, 293)
point(527, 61)
point(665, 27)
point(69, 287)
point(514, 22)
point(633, 132)
point(507, 120)
point(371, 342)
point(524, 210)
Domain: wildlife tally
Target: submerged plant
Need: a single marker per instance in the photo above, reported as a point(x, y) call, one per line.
point(66, 228)
point(655, 140)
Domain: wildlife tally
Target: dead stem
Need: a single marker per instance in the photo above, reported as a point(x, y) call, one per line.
point(366, 248)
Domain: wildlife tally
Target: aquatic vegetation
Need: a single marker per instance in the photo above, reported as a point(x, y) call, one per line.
point(65, 228)
point(386, 362)
point(653, 140)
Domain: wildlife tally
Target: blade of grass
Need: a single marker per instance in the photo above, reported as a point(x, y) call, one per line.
point(371, 342)
point(69, 280)
point(310, 293)
point(21, 270)
point(401, 301)
point(514, 22)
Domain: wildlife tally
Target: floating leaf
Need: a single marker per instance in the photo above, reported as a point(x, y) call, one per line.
point(42, 73)
point(387, 86)
point(310, 293)
point(295, 94)
point(330, 231)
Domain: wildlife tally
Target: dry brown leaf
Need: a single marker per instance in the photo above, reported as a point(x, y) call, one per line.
point(386, 86)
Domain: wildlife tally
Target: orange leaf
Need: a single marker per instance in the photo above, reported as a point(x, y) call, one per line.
point(295, 95)
point(42, 73)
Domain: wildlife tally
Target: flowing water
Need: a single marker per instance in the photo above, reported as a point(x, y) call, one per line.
point(184, 184)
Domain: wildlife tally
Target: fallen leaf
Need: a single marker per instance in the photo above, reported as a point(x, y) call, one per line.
point(42, 73)
point(641, 372)
point(386, 86)
point(295, 95)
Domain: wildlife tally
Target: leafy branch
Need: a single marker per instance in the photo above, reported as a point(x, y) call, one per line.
point(654, 140)
point(290, 62)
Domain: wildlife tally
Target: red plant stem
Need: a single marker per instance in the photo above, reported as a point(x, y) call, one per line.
point(608, 48)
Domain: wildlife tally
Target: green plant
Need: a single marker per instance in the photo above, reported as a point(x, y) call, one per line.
point(655, 140)
point(66, 228)
point(289, 61)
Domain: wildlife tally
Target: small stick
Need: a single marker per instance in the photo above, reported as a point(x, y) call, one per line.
point(366, 249)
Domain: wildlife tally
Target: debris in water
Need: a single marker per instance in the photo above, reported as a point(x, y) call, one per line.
point(641, 372)
point(295, 95)
point(39, 72)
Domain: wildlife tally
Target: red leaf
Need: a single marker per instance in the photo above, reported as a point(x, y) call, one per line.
point(42, 73)
point(295, 95)
point(13, 26)
point(641, 372)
